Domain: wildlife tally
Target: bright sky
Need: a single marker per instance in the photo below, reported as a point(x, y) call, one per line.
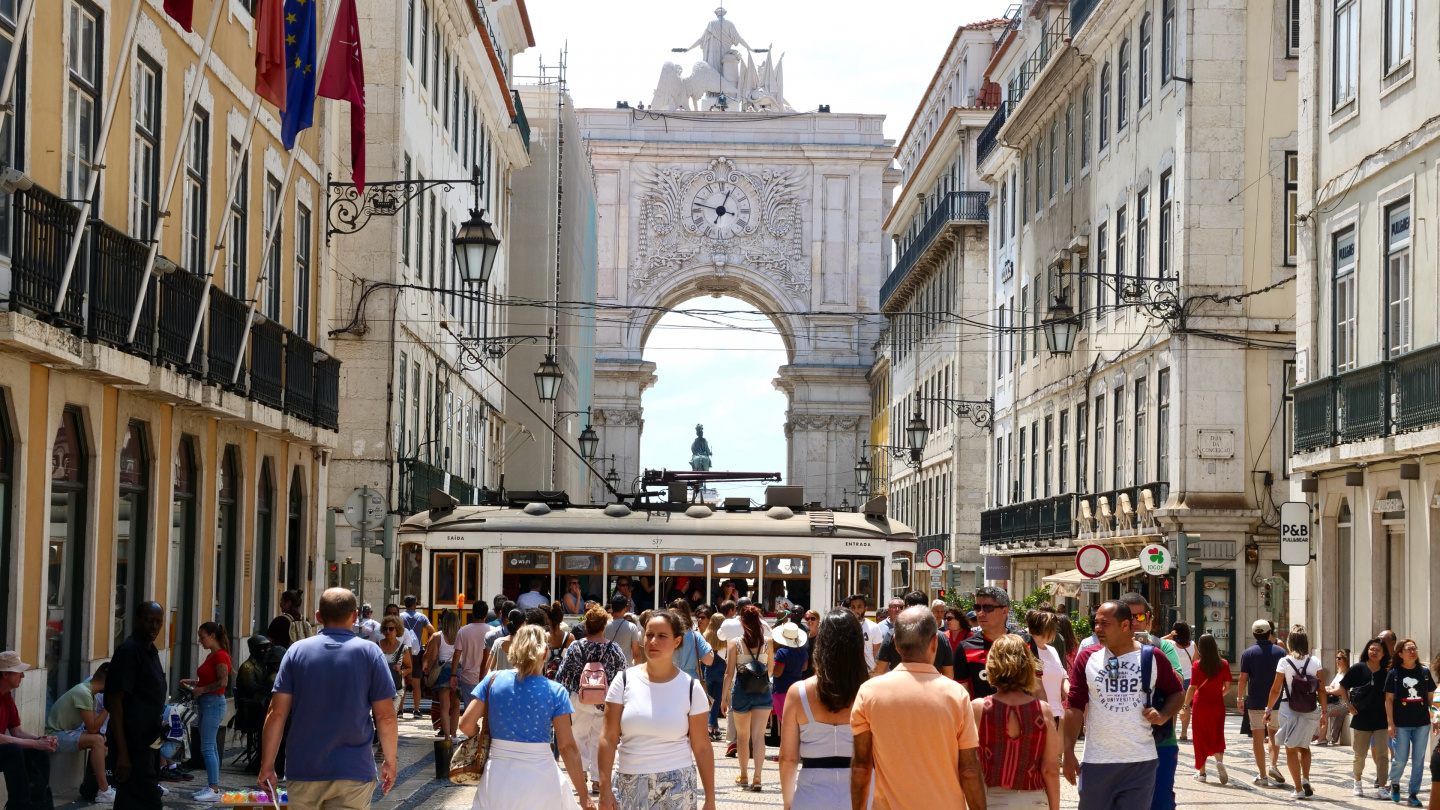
point(857, 57)
point(861, 57)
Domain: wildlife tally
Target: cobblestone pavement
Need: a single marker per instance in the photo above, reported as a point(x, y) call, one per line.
point(417, 786)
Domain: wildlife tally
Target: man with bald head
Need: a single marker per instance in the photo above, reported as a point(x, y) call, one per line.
point(330, 685)
point(135, 694)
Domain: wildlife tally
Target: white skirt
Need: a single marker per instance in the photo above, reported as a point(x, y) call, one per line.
point(523, 775)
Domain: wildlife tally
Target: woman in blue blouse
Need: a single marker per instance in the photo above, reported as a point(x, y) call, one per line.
point(523, 708)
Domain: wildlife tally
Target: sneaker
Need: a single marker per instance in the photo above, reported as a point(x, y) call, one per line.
point(1382, 792)
point(206, 795)
point(1305, 786)
point(1276, 775)
point(1199, 776)
point(1415, 800)
point(1261, 781)
point(106, 796)
point(1359, 789)
point(730, 752)
point(1298, 795)
point(1224, 775)
point(1395, 793)
point(164, 791)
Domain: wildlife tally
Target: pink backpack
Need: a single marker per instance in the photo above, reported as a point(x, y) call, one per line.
point(594, 684)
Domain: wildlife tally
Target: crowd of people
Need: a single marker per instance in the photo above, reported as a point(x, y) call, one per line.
point(928, 706)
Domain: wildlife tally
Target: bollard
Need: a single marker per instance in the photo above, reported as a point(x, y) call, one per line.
point(443, 751)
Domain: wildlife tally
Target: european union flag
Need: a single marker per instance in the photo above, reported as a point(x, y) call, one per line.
point(299, 70)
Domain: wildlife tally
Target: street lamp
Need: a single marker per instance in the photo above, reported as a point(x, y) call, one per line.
point(547, 379)
point(475, 247)
point(613, 477)
point(1060, 327)
point(862, 474)
point(589, 443)
point(917, 432)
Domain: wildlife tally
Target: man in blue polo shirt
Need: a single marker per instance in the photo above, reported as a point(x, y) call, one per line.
point(331, 684)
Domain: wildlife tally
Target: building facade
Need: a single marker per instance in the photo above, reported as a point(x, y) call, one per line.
point(928, 360)
point(140, 460)
point(1137, 170)
point(1366, 429)
point(422, 404)
point(554, 263)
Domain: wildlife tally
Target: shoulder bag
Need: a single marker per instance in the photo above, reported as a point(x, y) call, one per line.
point(468, 763)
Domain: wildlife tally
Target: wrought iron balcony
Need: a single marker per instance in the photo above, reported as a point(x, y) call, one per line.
point(1035, 524)
point(117, 264)
point(327, 393)
point(228, 318)
point(267, 363)
point(969, 207)
point(1416, 383)
point(1314, 415)
point(180, 294)
point(44, 226)
point(989, 136)
point(299, 377)
point(417, 478)
point(1032, 520)
point(1381, 399)
point(1364, 402)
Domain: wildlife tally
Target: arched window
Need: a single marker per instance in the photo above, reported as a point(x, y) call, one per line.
point(1345, 561)
point(295, 535)
point(184, 559)
point(265, 576)
point(226, 607)
point(65, 607)
point(132, 535)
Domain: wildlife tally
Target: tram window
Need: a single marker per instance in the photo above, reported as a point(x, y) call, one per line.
point(410, 570)
point(900, 564)
point(683, 577)
point(633, 576)
point(522, 569)
point(584, 568)
point(867, 580)
point(734, 576)
point(787, 583)
point(470, 579)
point(444, 580)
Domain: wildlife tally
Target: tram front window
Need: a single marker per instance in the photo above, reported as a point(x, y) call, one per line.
point(734, 576)
point(683, 577)
point(787, 583)
point(582, 578)
point(633, 577)
point(525, 571)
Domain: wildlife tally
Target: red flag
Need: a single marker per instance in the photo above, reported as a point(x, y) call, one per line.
point(181, 11)
point(344, 80)
point(270, 52)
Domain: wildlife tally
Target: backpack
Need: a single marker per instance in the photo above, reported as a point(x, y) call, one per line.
point(594, 684)
point(552, 662)
point(301, 628)
point(1304, 689)
point(1154, 699)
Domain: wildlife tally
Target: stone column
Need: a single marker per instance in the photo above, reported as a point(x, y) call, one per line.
point(618, 417)
point(826, 424)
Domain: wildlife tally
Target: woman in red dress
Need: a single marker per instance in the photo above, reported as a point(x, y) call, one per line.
point(1209, 681)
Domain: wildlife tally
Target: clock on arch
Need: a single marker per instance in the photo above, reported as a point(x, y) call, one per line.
point(720, 209)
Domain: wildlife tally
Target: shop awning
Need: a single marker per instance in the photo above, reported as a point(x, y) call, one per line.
point(1068, 582)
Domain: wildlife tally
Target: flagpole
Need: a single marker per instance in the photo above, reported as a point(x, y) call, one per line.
point(188, 113)
point(226, 213)
point(12, 65)
point(122, 66)
point(328, 29)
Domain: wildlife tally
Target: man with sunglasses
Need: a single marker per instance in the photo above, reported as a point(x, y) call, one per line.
point(992, 609)
point(1108, 697)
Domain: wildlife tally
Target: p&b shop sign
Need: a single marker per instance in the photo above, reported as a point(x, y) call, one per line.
point(1295, 529)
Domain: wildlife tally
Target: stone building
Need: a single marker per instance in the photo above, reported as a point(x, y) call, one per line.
point(929, 359)
point(138, 460)
point(1366, 428)
point(553, 262)
point(1137, 164)
point(422, 407)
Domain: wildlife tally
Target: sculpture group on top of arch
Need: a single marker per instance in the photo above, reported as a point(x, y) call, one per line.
point(722, 81)
point(721, 216)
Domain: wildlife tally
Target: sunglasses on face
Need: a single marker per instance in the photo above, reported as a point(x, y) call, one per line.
point(389, 629)
point(987, 608)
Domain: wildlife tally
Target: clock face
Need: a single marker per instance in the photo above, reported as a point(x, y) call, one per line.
point(720, 210)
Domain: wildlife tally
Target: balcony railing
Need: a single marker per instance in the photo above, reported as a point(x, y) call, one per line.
point(989, 136)
point(1381, 399)
point(117, 264)
point(929, 541)
point(267, 363)
point(1033, 520)
point(1102, 514)
point(521, 122)
point(100, 302)
point(228, 316)
point(44, 226)
point(956, 206)
point(299, 377)
point(327, 393)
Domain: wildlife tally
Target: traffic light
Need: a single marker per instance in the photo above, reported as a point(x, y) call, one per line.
point(1187, 553)
point(1167, 584)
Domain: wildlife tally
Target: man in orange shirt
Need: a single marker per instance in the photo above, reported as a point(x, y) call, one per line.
point(915, 731)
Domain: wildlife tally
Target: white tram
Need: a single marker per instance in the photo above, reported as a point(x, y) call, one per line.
point(811, 558)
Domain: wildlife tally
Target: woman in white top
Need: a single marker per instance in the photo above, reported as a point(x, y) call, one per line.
point(1297, 728)
point(1337, 711)
point(438, 653)
point(1185, 648)
point(655, 721)
point(1043, 625)
point(743, 694)
point(820, 737)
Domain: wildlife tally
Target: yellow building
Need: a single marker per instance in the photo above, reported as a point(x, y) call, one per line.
point(135, 469)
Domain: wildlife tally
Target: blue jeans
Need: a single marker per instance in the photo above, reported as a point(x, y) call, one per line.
point(715, 687)
point(212, 711)
point(1166, 759)
point(1409, 744)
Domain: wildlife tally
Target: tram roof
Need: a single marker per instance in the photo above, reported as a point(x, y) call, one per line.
point(683, 519)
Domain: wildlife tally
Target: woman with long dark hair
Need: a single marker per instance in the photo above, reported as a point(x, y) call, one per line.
point(1066, 634)
point(1363, 689)
point(748, 666)
point(821, 735)
point(1185, 648)
point(209, 688)
point(1209, 680)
